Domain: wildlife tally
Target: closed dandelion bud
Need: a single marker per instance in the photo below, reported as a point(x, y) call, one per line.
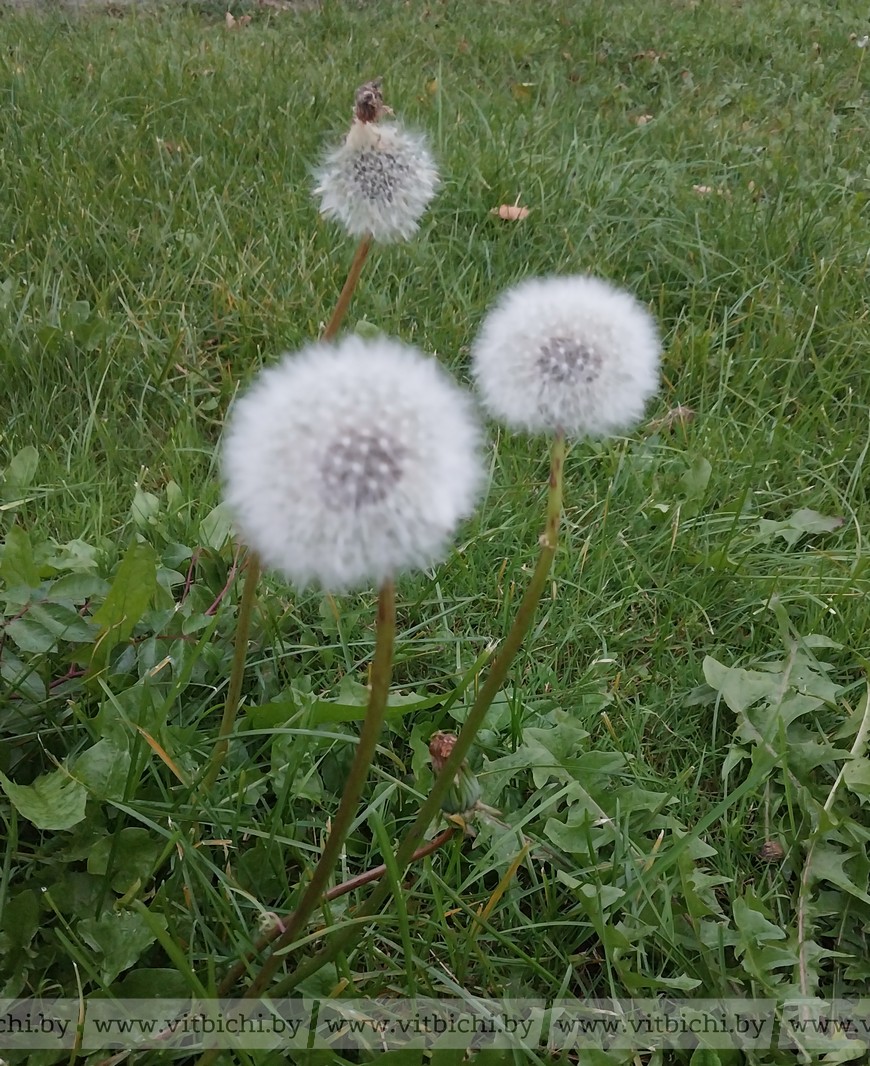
point(570, 354)
point(347, 465)
point(465, 791)
point(380, 180)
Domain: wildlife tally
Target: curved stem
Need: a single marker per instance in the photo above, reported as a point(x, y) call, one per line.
point(381, 673)
point(350, 885)
point(347, 291)
point(344, 938)
point(234, 691)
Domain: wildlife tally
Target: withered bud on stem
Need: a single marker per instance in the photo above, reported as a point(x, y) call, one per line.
point(465, 791)
point(369, 104)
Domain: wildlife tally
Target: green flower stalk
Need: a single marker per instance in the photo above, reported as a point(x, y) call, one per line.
point(346, 465)
point(451, 755)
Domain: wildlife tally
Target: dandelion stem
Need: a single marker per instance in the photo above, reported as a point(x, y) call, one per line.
point(487, 693)
point(344, 298)
point(351, 885)
point(381, 672)
point(234, 691)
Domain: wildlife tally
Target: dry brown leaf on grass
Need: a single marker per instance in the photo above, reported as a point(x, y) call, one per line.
point(233, 23)
point(522, 90)
point(677, 416)
point(641, 120)
point(510, 212)
point(709, 190)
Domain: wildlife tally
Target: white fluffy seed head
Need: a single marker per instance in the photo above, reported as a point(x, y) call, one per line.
point(345, 465)
point(574, 354)
point(379, 182)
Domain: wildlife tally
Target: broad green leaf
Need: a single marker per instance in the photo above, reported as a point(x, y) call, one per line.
point(17, 567)
point(132, 854)
point(23, 678)
point(753, 924)
point(53, 801)
point(705, 1056)
point(76, 555)
point(20, 920)
point(119, 939)
point(740, 688)
point(127, 600)
point(145, 509)
point(144, 983)
point(695, 480)
point(216, 528)
point(289, 758)
point(77, 588)
point(45, 625)
point(762, 946)
point(827, 863)
point(800, 524)
point(103, 769)
point(856, 777)
point(365, 329)
point(398, 704)
point(20, 473)
point(279, 712)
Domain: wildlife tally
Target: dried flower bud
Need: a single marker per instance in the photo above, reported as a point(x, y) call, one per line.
point(465, 792)
point(369, 103)
point(771, 851)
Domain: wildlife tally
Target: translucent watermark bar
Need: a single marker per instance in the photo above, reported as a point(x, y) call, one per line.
point(833, 1026)
point(655, 1024)
point(638, 1025)
point(386, 1024)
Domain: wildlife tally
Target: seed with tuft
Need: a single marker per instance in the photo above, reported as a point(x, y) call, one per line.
point(362, 467)
point(563, 360)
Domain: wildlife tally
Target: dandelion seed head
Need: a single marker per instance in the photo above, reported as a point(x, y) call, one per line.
point(379, 182)
point(362, 466)
point(569, 353)
point(346, 465)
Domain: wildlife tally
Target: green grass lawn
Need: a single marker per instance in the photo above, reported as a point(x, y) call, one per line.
point(695, 684)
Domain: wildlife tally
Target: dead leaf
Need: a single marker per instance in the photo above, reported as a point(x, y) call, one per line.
point(651, 54)
point(709, 190)
point(511, 212)
point(522, 90)
point(641, 120)
point(233, 23)
point(432, 86)
point(677, 416)
point(171, 147)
